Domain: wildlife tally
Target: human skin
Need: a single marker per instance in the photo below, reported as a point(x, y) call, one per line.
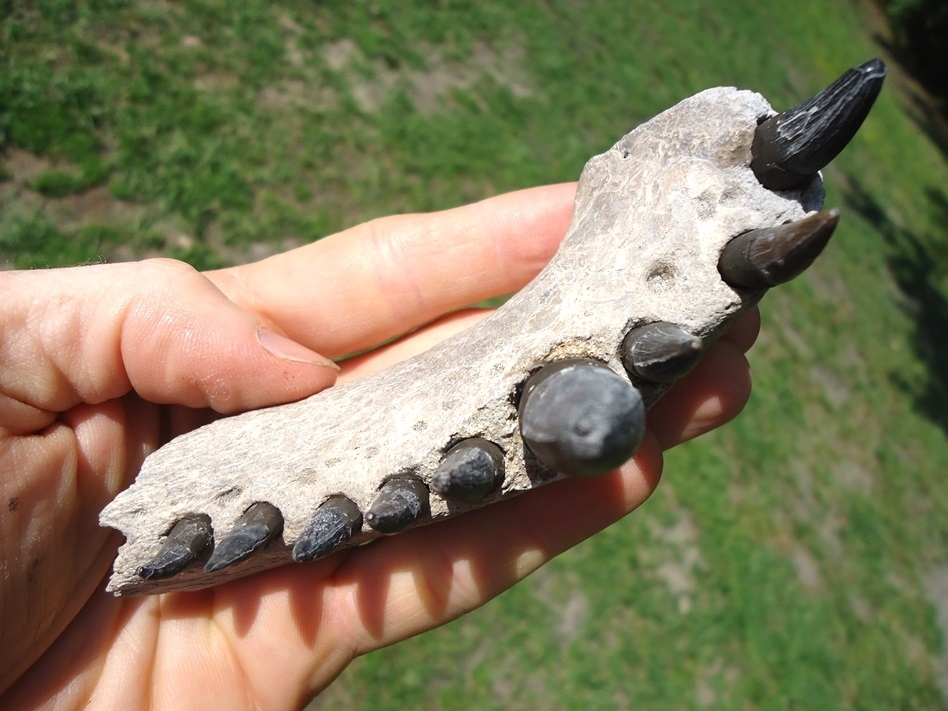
point(100, 365)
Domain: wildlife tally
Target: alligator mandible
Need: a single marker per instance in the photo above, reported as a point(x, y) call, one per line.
point(677, 229)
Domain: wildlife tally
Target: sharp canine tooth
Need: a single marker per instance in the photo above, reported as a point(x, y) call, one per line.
point(660, 352)
point(184, 543)
point(792, 147)
point(401, 501)
point(256, 527)
point(774, 255)
point(581, 419)
point(334, 522)
point(470, 470)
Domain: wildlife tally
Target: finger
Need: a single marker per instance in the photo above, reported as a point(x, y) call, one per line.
point(743, 333)
point(359, 288)
point(91, 334)
point(708, 397)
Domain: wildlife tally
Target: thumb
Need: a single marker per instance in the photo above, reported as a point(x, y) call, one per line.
point(184, 342)
point(160, 328)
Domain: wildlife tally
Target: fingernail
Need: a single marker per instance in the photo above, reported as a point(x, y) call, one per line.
point(286, 349)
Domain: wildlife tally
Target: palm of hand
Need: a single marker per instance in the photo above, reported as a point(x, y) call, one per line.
point(89, 352)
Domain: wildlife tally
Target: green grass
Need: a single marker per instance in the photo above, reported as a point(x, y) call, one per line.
point(783, 562)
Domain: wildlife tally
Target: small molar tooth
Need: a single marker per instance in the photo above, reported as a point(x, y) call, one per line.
point(469, 471)
point(184, 543)
point(774, 255)
point(581, 419)
point(256, 527)
point(660, 352)
point(335, 521)
point(790, 148)
point(402, 500)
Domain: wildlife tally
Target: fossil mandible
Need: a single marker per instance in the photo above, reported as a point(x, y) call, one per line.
point(677, 229)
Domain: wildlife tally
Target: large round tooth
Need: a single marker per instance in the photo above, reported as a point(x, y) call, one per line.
point(581, 419)
point(774, 255)
point(469, 471)
point(660, 352)
point(789, 149)
point(185, 542)
point(334, 522)
point(402, 500)
point(256, 527)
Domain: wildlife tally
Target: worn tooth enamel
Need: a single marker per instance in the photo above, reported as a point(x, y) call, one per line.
point(334, 522)
point(790, 148)
point(184, 543)
point(402, 500)
point(580, 418)
point(660, 352)
point(469, 471)
point(257, 526)
point(774, 255)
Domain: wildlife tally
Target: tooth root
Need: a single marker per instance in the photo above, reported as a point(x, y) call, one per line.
point(256, 527)
point(335, 521)
point(581, 419)
point(660, 352)
point(469, 471)
point(774, 255)
point(790, 148)
point(184, 543)
point(402, 500)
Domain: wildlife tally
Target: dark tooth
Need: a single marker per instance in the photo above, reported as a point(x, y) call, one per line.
point(184, 543)
point(256, 527)
point(334, 522)
point(790, 148)
point(469, 471)
point(581, 419)
point(774, 255)
point(401, 501)
point(660, 352)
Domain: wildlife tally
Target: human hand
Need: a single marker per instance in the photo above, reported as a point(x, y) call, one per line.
point(100, 365)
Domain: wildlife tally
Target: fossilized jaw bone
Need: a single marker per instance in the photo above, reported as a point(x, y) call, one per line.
point(651, 219)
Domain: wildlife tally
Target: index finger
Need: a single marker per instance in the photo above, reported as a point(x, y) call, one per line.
point(361, 287)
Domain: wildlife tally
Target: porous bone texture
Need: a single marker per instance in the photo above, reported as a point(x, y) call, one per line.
point(651, 217)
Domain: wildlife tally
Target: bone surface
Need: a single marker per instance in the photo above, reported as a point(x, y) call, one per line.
point(651, 218)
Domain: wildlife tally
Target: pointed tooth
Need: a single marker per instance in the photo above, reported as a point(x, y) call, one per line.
point(660, 352)
point(774, 255)
point(790, 148)
point(335, 521)
point(256, 527)
point(402, 500)
point(185, 542)
point(581, 419)
point(469, 471)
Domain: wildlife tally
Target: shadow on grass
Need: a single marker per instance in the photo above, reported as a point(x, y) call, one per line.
point(926, 97)
point(917, 262)
point(931, 118)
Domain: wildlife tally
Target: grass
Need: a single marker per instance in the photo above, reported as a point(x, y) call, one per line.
point(788, 560)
